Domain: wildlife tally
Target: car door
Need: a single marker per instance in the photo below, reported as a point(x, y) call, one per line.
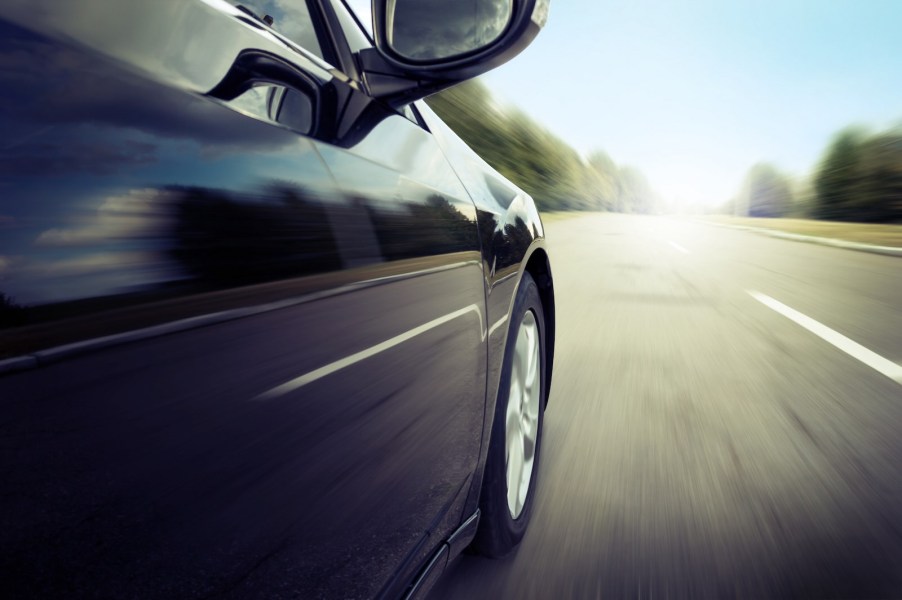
point(406, 215)
point(243, 331)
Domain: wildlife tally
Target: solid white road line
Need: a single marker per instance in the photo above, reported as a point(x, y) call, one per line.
point(853, 349)
point(678, 247)
point(297, 382)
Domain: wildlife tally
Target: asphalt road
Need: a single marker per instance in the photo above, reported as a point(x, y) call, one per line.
point(698, 443)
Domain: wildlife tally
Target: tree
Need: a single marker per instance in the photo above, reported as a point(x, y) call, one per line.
point(860, 178)
point(838, 176)
point(877, 194)
point(767, 192)
point(11, 314)
point(601, 181)
point(634, 194)
point(540, 163)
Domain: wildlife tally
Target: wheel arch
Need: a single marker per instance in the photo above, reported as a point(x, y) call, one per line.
point(539, 267)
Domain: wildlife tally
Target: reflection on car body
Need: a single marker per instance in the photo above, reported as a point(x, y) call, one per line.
point(235, 359)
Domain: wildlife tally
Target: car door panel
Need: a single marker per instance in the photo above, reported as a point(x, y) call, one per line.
point(428, 217)
point(249, 361)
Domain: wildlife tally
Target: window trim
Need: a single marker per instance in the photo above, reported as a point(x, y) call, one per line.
point(323, 35)
point(360, 25)
point(345, 60)
point(418, 116)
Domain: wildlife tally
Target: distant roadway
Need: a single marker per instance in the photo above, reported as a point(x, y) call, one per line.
point(725, 421)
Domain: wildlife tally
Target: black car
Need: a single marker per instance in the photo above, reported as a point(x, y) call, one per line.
point(268, 327)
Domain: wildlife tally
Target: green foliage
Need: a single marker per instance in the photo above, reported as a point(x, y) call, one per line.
point(634, 194)
point(860, 178)
point(837, 175)
point(537, 161)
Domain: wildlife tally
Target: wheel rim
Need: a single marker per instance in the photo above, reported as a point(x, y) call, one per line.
point(522, 419)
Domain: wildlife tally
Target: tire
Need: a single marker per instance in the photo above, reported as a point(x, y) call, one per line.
point(505, 509)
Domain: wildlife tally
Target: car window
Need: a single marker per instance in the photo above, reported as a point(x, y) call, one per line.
point(363, 10)
point(291, 18)
point(358, 39)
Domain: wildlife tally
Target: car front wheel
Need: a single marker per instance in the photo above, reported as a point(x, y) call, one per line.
point(509, 483)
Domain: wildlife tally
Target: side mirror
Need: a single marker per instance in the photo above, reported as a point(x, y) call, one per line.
point(424, 46)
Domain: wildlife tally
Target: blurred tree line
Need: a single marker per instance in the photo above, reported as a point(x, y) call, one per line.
point(766, 192)
point(859, 178)
point(540, 163)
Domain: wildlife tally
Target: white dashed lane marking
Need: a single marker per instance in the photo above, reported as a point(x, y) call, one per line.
point(678, 247)
point(850, 347)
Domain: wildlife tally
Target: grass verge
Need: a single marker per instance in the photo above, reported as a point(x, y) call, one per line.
point(862, 233)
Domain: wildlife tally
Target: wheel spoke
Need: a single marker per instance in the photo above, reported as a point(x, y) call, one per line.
point(522, 355)
point(532, 358)
point(522, 415)
point(530, 425)
point(514, 470)
point(514, 412)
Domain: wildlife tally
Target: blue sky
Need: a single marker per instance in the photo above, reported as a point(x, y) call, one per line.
point(695, 92)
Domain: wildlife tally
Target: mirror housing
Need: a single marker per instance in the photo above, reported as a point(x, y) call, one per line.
point(399, 80)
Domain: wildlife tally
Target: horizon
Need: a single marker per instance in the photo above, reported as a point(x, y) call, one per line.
point(788, 76)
